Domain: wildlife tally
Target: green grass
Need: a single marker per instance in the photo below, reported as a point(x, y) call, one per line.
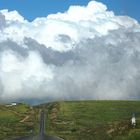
point(10, 117)
point(98, 120)
point(75, 120)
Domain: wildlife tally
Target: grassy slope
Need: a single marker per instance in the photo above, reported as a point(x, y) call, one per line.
point(10, 117)
point(98, 120)
point(84, 120)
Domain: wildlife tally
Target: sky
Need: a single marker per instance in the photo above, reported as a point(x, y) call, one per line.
point(30, 9)
point(66, 52)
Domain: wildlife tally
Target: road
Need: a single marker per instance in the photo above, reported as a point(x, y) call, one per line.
point(41, 135)
point(42, 123)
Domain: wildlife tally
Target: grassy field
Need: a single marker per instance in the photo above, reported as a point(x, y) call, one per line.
point(75, 120)
point(93, 120)
point(18, 120)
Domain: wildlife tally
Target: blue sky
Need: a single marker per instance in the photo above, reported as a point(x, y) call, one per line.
point(31, 9)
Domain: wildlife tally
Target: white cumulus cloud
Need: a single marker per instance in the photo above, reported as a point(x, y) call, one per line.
point(86, 52)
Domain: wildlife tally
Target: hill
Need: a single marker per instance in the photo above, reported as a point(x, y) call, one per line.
point(19, 120)
point(73, 120)
point(98, 120)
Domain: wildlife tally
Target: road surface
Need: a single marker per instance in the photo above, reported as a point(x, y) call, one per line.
point(41, 135)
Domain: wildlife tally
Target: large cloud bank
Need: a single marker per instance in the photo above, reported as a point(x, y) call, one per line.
point(85, 53)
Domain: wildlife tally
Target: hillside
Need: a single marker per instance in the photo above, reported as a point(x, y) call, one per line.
point(19, 120)
point(98, 120)
point(73, 120)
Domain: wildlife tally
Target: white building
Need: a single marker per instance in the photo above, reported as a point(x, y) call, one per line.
point(12, 104)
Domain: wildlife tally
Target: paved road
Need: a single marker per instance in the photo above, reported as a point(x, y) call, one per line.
point(42, 123)
point(41, 135)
